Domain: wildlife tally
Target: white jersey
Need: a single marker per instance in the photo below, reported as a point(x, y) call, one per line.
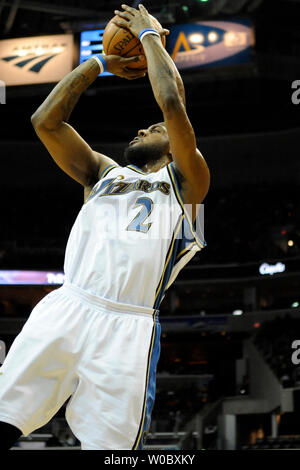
point(131, 237)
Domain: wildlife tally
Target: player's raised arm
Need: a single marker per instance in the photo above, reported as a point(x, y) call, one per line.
point(68, 149)
point(169, 93)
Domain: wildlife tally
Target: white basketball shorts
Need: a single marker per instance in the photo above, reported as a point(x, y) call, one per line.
point(102, 354)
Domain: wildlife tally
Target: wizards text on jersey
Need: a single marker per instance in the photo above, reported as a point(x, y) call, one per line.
point(114, 186)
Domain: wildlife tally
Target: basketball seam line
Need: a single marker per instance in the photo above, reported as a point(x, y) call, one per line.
point(112, 38)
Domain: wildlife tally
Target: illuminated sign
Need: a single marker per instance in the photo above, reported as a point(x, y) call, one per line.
point(266, 268)
point(41, 59)
point(91, 44)
point(210, 43)
point(30, 277)
point(192, 45)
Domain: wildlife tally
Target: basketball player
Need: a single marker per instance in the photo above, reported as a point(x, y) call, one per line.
point(96, 339)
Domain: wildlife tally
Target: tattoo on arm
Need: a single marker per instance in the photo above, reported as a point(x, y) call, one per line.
point(75, 87)
point(164, 71)
point(60, 103)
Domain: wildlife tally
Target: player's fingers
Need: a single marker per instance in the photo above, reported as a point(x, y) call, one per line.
point(135, 58)
point(164, 32)
point(121, 23)
point(129, 9)
point(123, 14)
point(143, 9)
point(137, 76)
point(135, 73)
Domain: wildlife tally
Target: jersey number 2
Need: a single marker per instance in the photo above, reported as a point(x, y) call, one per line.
point(137, 224)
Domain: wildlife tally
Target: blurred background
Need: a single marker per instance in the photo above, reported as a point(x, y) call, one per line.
point(228, 377)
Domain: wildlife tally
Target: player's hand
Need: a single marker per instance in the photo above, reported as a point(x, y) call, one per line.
point(119, 66)
point(137, 20)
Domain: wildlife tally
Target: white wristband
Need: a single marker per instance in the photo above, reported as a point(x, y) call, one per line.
point(149, 32)
point(99, 63)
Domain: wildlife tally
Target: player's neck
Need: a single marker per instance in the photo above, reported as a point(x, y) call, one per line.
point(152, 167)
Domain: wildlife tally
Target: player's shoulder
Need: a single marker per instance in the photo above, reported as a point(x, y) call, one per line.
point(168, 172)
point(106, 169)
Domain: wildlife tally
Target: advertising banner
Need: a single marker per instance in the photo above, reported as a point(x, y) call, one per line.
point(30, 277)
point(40, 59)
point(210, 43)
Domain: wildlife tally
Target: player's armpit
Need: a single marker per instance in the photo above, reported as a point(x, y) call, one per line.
point(106, 165)
point(187, 158)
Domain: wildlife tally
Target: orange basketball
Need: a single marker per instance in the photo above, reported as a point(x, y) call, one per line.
point(121, 41)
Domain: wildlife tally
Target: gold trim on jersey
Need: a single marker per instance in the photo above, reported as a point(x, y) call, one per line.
point(106, 171)
point(172, 175)
point(135, 168)
point(171, 248)
point(188, 248)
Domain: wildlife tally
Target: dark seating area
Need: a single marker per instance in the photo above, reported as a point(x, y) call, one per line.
point(176, 405)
